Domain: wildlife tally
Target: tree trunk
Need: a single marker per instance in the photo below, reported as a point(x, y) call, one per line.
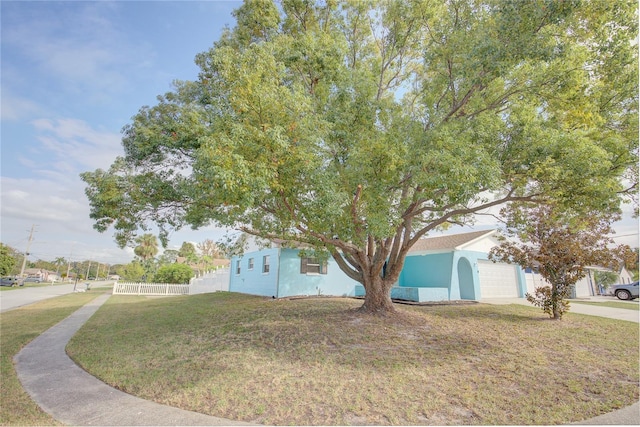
point(377, 299)
point(556, 301)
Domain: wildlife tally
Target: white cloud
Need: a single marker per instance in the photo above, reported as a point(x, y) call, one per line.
point(61, 216)
point(16, 108)
point(73, 145)
point(78, 46)
point(53, 196)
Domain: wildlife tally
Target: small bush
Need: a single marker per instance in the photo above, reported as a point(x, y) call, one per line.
point(549, 302)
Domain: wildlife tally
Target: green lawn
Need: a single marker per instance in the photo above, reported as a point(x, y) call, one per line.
point(631, 305)
point(318, 362)
point(32, 285)
point(17, 328)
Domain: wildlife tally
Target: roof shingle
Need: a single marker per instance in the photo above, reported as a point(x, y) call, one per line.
point(449, 241)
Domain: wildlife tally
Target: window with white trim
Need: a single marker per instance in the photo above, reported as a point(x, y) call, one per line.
point(250, 266)
point(238, 267)
point(265, 264)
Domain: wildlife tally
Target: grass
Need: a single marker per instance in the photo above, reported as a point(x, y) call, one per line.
point(17, 328)
point(318, 362)
point(633, 305)
point(26, 285)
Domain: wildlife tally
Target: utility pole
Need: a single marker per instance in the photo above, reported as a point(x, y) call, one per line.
point(69, 262)
point(26, 253)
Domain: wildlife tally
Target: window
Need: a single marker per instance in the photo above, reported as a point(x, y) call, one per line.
point(250, 264)
point(265, 264)
point(238, 267)
point(312, 266)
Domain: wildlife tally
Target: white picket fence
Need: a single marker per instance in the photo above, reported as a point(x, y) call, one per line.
point(212, 281)
point(120, 288)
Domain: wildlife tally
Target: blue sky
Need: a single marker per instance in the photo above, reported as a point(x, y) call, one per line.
point(73, 74)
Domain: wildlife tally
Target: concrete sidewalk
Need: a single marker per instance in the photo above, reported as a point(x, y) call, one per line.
point(72, 396)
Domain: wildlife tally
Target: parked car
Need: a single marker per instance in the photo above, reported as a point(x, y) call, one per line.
point(33, 279)
point(625, 292)
point(10, 281)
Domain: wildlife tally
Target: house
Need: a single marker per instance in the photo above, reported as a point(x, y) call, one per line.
point(585, 287)
point(42, 274)
point(455, 267)
point(440, 268)
point(277, 271)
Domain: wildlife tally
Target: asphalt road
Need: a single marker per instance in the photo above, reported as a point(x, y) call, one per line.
point(13, 298)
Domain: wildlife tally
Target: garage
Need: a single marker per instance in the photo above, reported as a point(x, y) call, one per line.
point(498, 280)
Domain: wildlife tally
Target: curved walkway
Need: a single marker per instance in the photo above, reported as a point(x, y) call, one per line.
point(74, 397)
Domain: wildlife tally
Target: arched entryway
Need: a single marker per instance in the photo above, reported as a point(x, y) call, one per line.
point(465, 279)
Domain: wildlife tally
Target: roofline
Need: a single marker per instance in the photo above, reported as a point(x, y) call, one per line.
point(482, 236)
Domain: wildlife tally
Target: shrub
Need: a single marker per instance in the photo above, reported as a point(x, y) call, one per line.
point(550, 303)
point(174, 273)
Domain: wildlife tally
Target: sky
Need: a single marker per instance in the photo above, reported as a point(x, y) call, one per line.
point(73, 73)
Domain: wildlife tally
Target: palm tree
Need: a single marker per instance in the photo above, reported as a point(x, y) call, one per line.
point(58, 262)
point(147, 246)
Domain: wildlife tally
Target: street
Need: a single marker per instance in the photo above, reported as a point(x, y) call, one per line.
point(10, 299)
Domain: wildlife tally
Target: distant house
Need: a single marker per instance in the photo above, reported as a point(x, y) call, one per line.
point(585, 287)
point(42, 274)
point(440, 268)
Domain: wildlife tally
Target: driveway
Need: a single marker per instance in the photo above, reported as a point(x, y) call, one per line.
point(590, 309)
point(14, 298)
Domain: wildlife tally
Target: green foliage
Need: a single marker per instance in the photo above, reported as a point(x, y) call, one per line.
point(169, 256)
point(552, 301)
point(147, 246)
point(359, 127)
point(7, 261)
point(188, 251)
point(605, 278)
point(560, 246)
point(134, 271)
point(173, 273)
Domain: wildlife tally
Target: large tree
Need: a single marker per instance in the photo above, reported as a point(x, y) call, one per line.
point(210, 249)
point(359, 127)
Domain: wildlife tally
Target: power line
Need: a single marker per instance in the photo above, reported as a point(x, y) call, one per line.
point(624, 235)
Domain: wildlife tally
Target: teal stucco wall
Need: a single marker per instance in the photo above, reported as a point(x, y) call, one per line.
point(432, 277)
point(292, 282)
point(433, 270)
point(454, 274)
point(255, 281)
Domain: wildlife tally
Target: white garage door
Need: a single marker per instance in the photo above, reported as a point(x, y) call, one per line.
point(498, 280)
